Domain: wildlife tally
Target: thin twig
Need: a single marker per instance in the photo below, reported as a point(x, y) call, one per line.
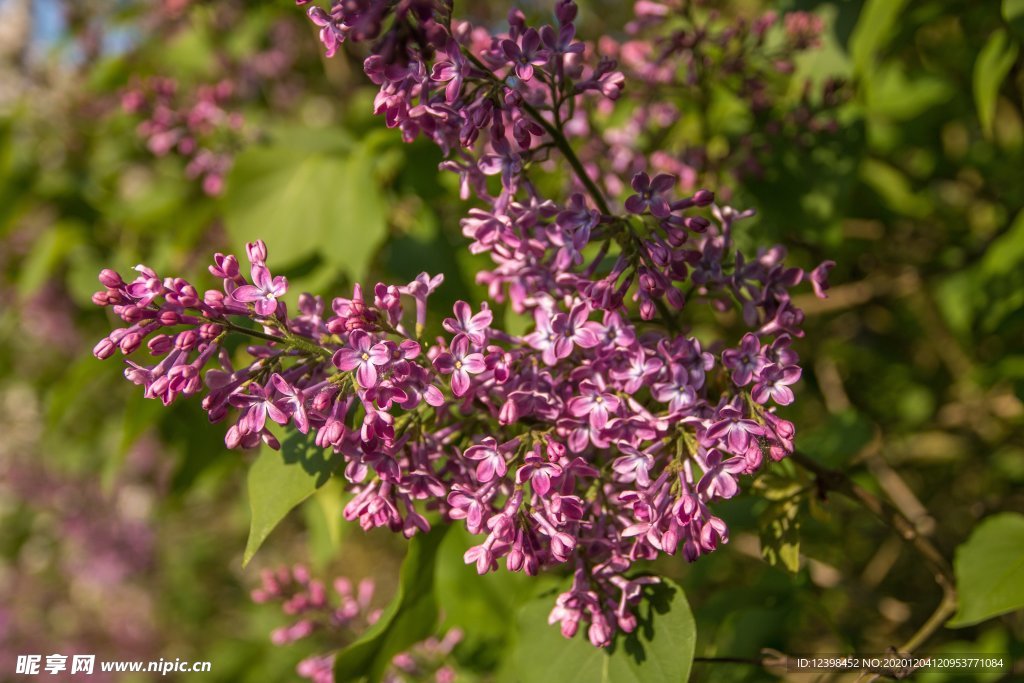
point(834, 480)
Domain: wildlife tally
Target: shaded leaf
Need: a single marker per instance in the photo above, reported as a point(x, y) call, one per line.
point(990, 570)
point(304, 200)
point(278, 482)
point(479, 605)
point(409, 618)
point(894, 188)
point(841, 437)
point(659, 651)
point(990, 69)
point(1013, 13)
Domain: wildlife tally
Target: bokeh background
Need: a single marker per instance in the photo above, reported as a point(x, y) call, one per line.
point(122, 524)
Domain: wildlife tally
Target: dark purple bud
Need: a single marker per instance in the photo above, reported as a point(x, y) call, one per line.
point(703, 197)
point(697, 223)
point(565, 11)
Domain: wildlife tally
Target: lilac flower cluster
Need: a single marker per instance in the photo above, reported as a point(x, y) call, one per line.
point(601, 437)
point(191, 127)
point(336, 620)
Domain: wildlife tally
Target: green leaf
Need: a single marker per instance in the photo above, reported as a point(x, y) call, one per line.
point(49, 251)
point(355, 234)
point(278, 482)
point(409, 618)
point(873, 31)
point(479, 605)
point(287, 197)
point(994, 61)
point(899, 97)
point(305, 200)
point(779, 528)
point(835, 442)
point(990, 570)
point(660, 650)
point(894, 188)
point(1013, 13)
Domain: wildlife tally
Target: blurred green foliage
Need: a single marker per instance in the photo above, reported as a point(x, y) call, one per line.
point(914, 375)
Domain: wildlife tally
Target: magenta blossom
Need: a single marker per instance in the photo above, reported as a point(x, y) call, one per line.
point(490, 459)
point(264, 293)
point(525, 54)
point(473, 326)
point(362, 355)
point(595, 403)
point(746, 361)
point(649, 194)
point(774, 384)
point(460, 363)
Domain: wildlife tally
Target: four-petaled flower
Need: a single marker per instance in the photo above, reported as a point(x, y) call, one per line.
point(649, 194)
point(451, 71)
point(746, 361)
point(490, 459)
point(677, 391)
point(460, 363)
point(735, 429)
point(720, 474)
point(774, 384)
point(292, 401)
point(525, 54)
point(264, 293)
point(362, 355)
point(596, 403)
point(473, 326)
point(634, 465)
point(258, 404)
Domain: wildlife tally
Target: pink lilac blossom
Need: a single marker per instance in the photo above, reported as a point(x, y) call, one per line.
point(602, 437)
point(338, 615)
point(192, 127)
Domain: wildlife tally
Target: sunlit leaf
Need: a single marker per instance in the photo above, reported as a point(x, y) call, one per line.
point(279, 481)
point(1013, 13)
point(779, 530)
point(660, 650)
point(990, 570)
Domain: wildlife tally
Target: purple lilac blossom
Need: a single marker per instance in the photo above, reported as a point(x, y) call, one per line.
point(601, 437)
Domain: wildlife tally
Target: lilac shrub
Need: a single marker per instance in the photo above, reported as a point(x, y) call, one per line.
point(600, 438)
point(679, 46)
point(204, 126)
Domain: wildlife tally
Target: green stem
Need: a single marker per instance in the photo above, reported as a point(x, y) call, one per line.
point(556, 136)
point(291, 340)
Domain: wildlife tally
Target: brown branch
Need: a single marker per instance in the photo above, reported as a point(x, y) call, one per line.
point(834, 480)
